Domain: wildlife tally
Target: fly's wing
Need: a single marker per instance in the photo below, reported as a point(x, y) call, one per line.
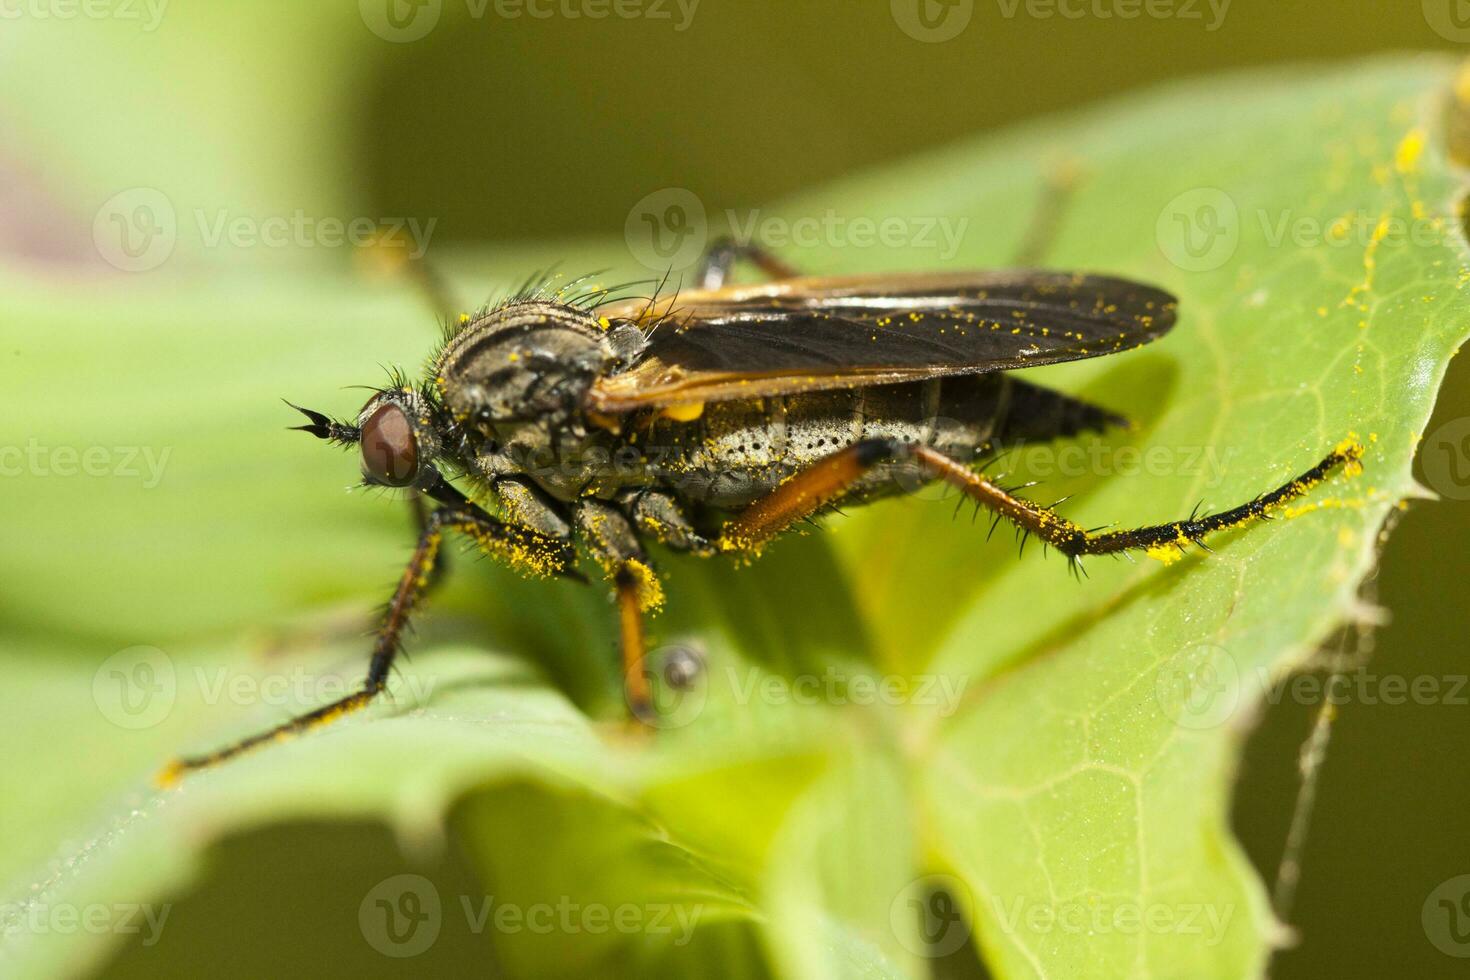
point(812, 333)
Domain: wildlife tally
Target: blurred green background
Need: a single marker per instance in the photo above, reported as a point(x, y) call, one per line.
point(519, 129)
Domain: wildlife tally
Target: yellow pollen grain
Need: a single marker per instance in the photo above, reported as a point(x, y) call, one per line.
point(1410, 149)
point(1165, 553)
point(650, 592)
point(684, 412)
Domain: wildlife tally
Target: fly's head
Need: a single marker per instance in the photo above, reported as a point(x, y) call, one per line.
point(397, 434)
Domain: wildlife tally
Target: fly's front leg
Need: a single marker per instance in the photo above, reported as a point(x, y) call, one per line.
point(524, 547)
point(421, 515)
point(636, 590)
point(826, 481)
point(720, 258)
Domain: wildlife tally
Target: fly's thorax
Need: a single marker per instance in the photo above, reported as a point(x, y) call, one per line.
point(567, 463)
point(526, 363)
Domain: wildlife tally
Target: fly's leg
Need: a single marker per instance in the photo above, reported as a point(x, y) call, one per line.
point(720, 259)
point(396, 254)
point(826, 481)
point(522, 546)
point(421, 520)
point(1046, 220)
point(657, 515)
point(636, 590)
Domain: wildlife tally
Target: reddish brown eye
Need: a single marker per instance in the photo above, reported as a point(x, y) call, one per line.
point(389, 453)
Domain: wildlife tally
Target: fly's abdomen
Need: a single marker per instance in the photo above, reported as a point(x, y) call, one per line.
point(737, 451)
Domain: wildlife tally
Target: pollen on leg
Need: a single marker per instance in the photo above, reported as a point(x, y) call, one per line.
point(650, 592)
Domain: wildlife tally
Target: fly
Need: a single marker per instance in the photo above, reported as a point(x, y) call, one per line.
point(711, 421)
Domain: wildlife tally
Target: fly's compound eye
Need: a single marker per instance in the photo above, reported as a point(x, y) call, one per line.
point(390, 453)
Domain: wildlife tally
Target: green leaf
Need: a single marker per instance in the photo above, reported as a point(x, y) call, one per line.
point(905, 734)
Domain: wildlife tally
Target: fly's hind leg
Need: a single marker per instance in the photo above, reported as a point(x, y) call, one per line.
point(722, 255)
point(657, 515)
point(524, 547)
point(1041, 232)
point(636, 590)
point(827, 480)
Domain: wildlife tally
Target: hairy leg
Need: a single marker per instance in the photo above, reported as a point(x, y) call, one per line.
point(523, 546)
point(827, 480)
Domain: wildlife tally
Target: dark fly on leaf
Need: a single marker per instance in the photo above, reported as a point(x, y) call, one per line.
point(713, 420)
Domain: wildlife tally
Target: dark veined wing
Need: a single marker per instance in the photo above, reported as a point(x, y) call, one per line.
point(841, 332)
